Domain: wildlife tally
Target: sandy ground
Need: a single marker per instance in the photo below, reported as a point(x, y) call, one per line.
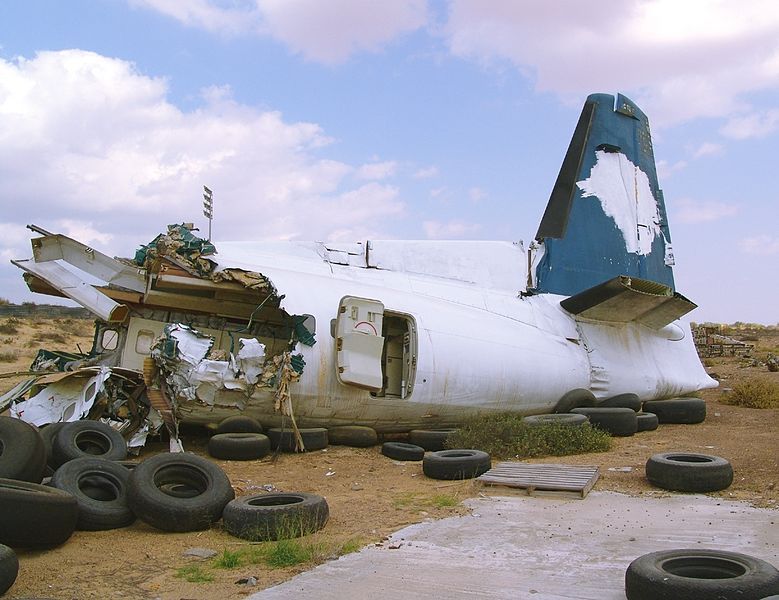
point(369, 496)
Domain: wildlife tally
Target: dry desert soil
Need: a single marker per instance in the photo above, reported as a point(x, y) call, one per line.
point(369, 495)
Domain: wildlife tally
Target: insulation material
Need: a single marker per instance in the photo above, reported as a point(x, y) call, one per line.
point(251, 357)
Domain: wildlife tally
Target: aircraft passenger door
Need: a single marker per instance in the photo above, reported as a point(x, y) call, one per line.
point(359, 342)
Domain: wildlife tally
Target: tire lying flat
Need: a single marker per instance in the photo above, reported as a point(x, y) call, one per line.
point(22, 451)
point(178, 492)
point(34, 515)
point(100, 489)
point(631, 401)
point(684, 411)
point(261, 517)
point(314, 438)
point(88, 438)
point(239, 424)
point(646, 421)
point(574, 420)
point(356, 436)
point(699, 575)
point(689, 472)
point(577, 398)
point(9, 568)
point(402, 451)
point(239, 446)
point(430, 439)
point(456, 464)
point(620, 422)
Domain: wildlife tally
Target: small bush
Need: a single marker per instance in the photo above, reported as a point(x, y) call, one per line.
point(9, 328)
point(754, 393)
point(194, 574)
point(288, 553)
point(228, 560)
point(9, 356)
point(505, 435)
point(50, 336)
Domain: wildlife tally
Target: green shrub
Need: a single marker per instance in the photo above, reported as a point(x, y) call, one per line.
point(505, 436)
point(288, 553)
point(757, 392)
point(228, 560)
point(194, 574)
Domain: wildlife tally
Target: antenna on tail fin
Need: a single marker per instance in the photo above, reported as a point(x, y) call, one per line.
point(606, 215)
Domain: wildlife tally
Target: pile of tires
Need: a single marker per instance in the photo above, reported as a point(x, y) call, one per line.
point(178, 492)
point(356, 436)
point(684, 411)
point(23, 455)
point(239, 446)
point(620, 422)
point(697, 574)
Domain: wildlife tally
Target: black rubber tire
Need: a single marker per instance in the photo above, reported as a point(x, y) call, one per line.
point(178, 492)
point(34, 515)
point(574, 420)
point(631, 401)
point(430, 439)
point(685, 411)
point(456, 464)
point(699, 575)
point(402, 451)
point(88, 438)
point(262, 517)
point(620, 422)
point(646, 421)
point(314, 438)
point(239, 446)
point(356, 436)
point(687, 472)
point(9, 568)
point(100, 488)
point(48, 433)
point(22, 452)
point(239, 424)
point(577, 398)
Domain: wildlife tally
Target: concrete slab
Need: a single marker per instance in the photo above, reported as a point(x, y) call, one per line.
point(539, 548)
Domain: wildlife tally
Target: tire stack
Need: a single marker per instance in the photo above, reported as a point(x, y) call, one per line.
point(239, 438)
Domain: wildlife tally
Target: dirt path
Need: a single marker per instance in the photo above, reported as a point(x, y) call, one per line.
point(369, 496)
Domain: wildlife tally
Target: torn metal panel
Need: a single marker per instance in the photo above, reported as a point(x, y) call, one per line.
point(76, 289)
point(89, 260)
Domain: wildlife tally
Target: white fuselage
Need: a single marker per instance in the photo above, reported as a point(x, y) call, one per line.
point(479, 343)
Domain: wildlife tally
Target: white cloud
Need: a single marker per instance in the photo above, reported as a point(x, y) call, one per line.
point(708, 149)
point(679, 60)
point(477, 195)
point(327, 32)
point(377, 170)
point(91, 147)
point(438, 230)
point(691, 211)
point(755, 125)
point(760, 244)
point(426, 173)
point(665, 169)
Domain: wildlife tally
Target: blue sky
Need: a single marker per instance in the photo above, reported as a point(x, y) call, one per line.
point(355, 119)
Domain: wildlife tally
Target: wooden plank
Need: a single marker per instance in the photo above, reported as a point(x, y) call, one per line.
point(547, 479)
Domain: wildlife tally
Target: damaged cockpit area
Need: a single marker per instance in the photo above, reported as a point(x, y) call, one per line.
point(177, 336)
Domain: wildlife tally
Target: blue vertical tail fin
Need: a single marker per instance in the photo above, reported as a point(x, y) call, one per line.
point(606, 215)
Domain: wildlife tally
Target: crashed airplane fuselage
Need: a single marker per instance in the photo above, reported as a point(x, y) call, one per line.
point(406, 334)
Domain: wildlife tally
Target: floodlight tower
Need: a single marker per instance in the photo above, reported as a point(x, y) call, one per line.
point(208, 207)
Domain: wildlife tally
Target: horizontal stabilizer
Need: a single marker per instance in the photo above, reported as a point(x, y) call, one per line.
point(629, 299)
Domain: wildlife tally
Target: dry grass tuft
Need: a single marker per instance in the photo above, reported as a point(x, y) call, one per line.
point(757, 392)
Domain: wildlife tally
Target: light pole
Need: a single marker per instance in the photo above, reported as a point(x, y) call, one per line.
point(208, 207)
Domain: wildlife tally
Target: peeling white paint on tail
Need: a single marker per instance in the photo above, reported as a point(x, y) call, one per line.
point(624, 193)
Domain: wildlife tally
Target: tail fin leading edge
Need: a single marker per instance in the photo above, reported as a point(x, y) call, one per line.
point(606, 215)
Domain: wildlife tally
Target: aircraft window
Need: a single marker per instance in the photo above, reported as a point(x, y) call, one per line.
point(109, 339)
point(144, 341)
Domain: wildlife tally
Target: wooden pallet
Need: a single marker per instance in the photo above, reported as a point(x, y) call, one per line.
point(544, 480)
